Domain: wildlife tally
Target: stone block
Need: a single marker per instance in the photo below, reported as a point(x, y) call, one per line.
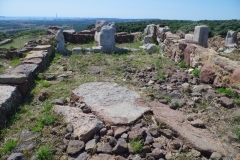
point(10, 98)
point(201, 35)
point(97, 49)
point(189, 37)
point(38, 61)
point(77, 50)
point(231, 39)
point(29, 69)
point(49, 48)
point(12, 78)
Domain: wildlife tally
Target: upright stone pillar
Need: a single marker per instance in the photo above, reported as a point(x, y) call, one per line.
point(201, 35)
point(231, 38)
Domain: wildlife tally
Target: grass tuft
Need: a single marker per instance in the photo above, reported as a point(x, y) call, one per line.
point(137, 144)
point(44, 153)
point(196, 72)
point(225, 91)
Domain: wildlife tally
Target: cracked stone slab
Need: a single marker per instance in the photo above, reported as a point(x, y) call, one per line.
point(85, 126)
point(114, 104)
point(36, 54)
point(197, 138)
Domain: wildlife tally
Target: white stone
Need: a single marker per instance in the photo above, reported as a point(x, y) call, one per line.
point(77, 50)
point(189, 37)
point(106, 38)
point(111, 102)
point(99, 24)
point(60, 39)
point(97, 49)
point(151, 48)
point(85, 125)
point(231, 38)
point(229, 50)
point(201, 35)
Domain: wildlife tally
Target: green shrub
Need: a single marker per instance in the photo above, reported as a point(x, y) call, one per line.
point(182, 64)
point(161, 76)
point(137, 144)
point(44, 153)
point(225, 91)
point(196, 72)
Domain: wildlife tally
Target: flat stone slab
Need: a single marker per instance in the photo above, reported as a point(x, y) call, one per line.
point(197, 138)
point(115, 104)
point(36, 54)
point(12, 78)
point(9, 98)
point(85, 126)
point(49, 48)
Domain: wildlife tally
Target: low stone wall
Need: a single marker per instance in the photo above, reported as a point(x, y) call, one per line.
point(215, 69)
point(15, 83)
point(84, 37)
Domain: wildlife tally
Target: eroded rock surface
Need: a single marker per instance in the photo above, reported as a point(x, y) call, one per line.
point(84, 125)
point(200, 139)
point(111, 102)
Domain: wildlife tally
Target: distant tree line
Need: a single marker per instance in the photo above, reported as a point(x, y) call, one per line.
point(217, 27)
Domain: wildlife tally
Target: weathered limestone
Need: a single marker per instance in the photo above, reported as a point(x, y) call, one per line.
point(201, 35)
point(111, 102)
point(12, 78)
point(85, 126)
point(99, 24)
point(10, 98)
point(60, 46)
point(189, 37)
point(231, 39)
point(197, 138)
point(50, 49)
point(106, 37)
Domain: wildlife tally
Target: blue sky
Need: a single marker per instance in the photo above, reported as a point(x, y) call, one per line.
point(162, 9)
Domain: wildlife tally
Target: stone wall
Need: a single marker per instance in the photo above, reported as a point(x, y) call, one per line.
point(226, 71)
point(86, 36)
point(15, 83)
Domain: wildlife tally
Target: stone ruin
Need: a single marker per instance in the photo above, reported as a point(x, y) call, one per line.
point(231, 39)
point(200, 36)
point(105, 36)
point(60, 46)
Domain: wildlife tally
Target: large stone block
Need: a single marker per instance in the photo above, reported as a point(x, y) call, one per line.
point(201, 35)
point(85, 126)
point(189, 37)
point(231, 39)
point(29, 69)
point(49, 48)
point(106, 38)
point(115, 104)
point(12, 78)
point(10, 98)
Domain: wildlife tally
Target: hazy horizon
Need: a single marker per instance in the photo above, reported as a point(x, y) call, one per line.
point(134, 9)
